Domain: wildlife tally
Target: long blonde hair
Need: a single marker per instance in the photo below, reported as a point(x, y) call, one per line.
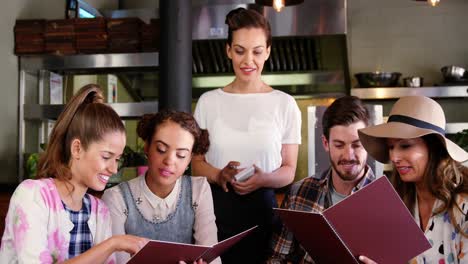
point(444, 177)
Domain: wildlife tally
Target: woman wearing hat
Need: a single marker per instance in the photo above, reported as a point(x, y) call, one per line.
point(427, 173)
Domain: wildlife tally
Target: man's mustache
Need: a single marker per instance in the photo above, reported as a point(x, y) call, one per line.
point(348, 162)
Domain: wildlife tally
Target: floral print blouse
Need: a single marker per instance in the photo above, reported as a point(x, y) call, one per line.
point(37, 226)
point(448, 245)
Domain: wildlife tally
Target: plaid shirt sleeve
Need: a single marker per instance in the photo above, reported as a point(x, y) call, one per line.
point(284, 247)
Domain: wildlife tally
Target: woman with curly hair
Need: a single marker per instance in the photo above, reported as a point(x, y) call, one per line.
point(427, 173)
point(164, 204)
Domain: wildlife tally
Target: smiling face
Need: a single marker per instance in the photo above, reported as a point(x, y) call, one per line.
point(92, 167)
point(347, 155)
point(409, 157)
point(248, 52)
point(169, 153)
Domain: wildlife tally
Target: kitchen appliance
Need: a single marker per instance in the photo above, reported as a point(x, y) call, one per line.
point(413, 81)
point(377, 79)
point(318, 158)
point(308, 54)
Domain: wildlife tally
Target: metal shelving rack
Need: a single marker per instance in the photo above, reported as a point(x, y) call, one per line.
point(33, 109)
point(397, 92)
point(437, 92)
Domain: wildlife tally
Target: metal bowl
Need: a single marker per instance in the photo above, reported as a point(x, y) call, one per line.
point(377, 79)
point(452, 73)
point(413, 81)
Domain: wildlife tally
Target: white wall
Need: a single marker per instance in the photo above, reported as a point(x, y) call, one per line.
point(10, 11)
point(407, 36)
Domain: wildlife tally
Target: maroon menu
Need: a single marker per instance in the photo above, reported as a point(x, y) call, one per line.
point(373, 222)
point(163, 252)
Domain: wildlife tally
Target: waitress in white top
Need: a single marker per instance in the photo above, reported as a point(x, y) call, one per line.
point(164, 204)
point(249, 123)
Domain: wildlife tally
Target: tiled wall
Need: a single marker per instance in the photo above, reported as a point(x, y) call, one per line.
point(407, 36)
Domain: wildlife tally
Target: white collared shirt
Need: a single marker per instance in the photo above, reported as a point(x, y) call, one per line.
point(161, 207)
point(151, 206)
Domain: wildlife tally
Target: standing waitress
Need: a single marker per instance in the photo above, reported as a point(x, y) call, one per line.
point(249, 123)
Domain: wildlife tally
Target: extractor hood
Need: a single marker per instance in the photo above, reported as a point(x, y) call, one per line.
point(308, 51)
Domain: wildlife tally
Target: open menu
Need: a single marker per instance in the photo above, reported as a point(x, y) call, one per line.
point(162, 252)
point(373, 222)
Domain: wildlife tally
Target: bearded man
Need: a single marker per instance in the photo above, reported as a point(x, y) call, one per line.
point(347, 174)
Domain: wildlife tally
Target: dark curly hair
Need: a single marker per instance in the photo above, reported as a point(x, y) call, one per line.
point(247, 18)
point(149, 123)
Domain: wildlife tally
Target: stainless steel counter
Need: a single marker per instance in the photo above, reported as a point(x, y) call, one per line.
point(397, 92)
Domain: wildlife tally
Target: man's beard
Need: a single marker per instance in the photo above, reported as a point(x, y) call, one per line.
point(344, 175)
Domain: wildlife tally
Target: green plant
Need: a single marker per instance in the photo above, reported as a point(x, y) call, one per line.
point(131, 158)
point(461, 139)
point(31, 163)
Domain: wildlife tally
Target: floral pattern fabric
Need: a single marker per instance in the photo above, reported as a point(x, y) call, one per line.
point(448, 245)
point(37, 226)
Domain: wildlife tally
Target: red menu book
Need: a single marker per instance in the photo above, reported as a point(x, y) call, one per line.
point(162, 252)
point(373, 222)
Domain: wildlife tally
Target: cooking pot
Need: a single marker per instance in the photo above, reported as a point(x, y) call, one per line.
point(377, 79)
point(453, 73)
point(413, 81)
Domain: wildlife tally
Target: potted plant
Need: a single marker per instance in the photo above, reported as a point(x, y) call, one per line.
point(32, 161)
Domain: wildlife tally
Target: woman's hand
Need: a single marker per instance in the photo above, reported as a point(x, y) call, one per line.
point(366, 260)
point(251, 184)
point(227, 174)
point(128, 243)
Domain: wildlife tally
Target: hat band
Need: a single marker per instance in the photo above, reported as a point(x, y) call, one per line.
point(415, 122)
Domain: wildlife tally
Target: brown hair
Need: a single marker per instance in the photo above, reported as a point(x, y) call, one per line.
point(149, 123)
point(443, 176)
point(86, 118)
point(344, 111)
point(247, 18)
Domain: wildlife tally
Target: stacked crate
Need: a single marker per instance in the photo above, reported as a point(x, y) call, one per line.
point(150, 34)
point(60, 36)
point(29, 36)
point(90, 35)
point(123, 34)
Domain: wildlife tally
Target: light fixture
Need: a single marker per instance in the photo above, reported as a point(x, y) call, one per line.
point(278, 4)
point(431, 2)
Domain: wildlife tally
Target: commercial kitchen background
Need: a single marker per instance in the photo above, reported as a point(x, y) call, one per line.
point(399, 35)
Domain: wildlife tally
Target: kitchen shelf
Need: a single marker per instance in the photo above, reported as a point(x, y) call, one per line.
point(125, 110)
point(90, 62)
point(383, 93)
point(275, 79)
point(397, 92)
point(453, 128)
point(32, 71)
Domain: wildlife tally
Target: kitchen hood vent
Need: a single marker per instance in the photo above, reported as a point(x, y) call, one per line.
point(308, 55)
point(294, 54)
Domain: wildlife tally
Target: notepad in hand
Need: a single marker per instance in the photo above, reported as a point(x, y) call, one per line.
point(162, 252)
point(373, 222)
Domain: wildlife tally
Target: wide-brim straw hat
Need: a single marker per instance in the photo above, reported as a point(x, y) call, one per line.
point(410, 117)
